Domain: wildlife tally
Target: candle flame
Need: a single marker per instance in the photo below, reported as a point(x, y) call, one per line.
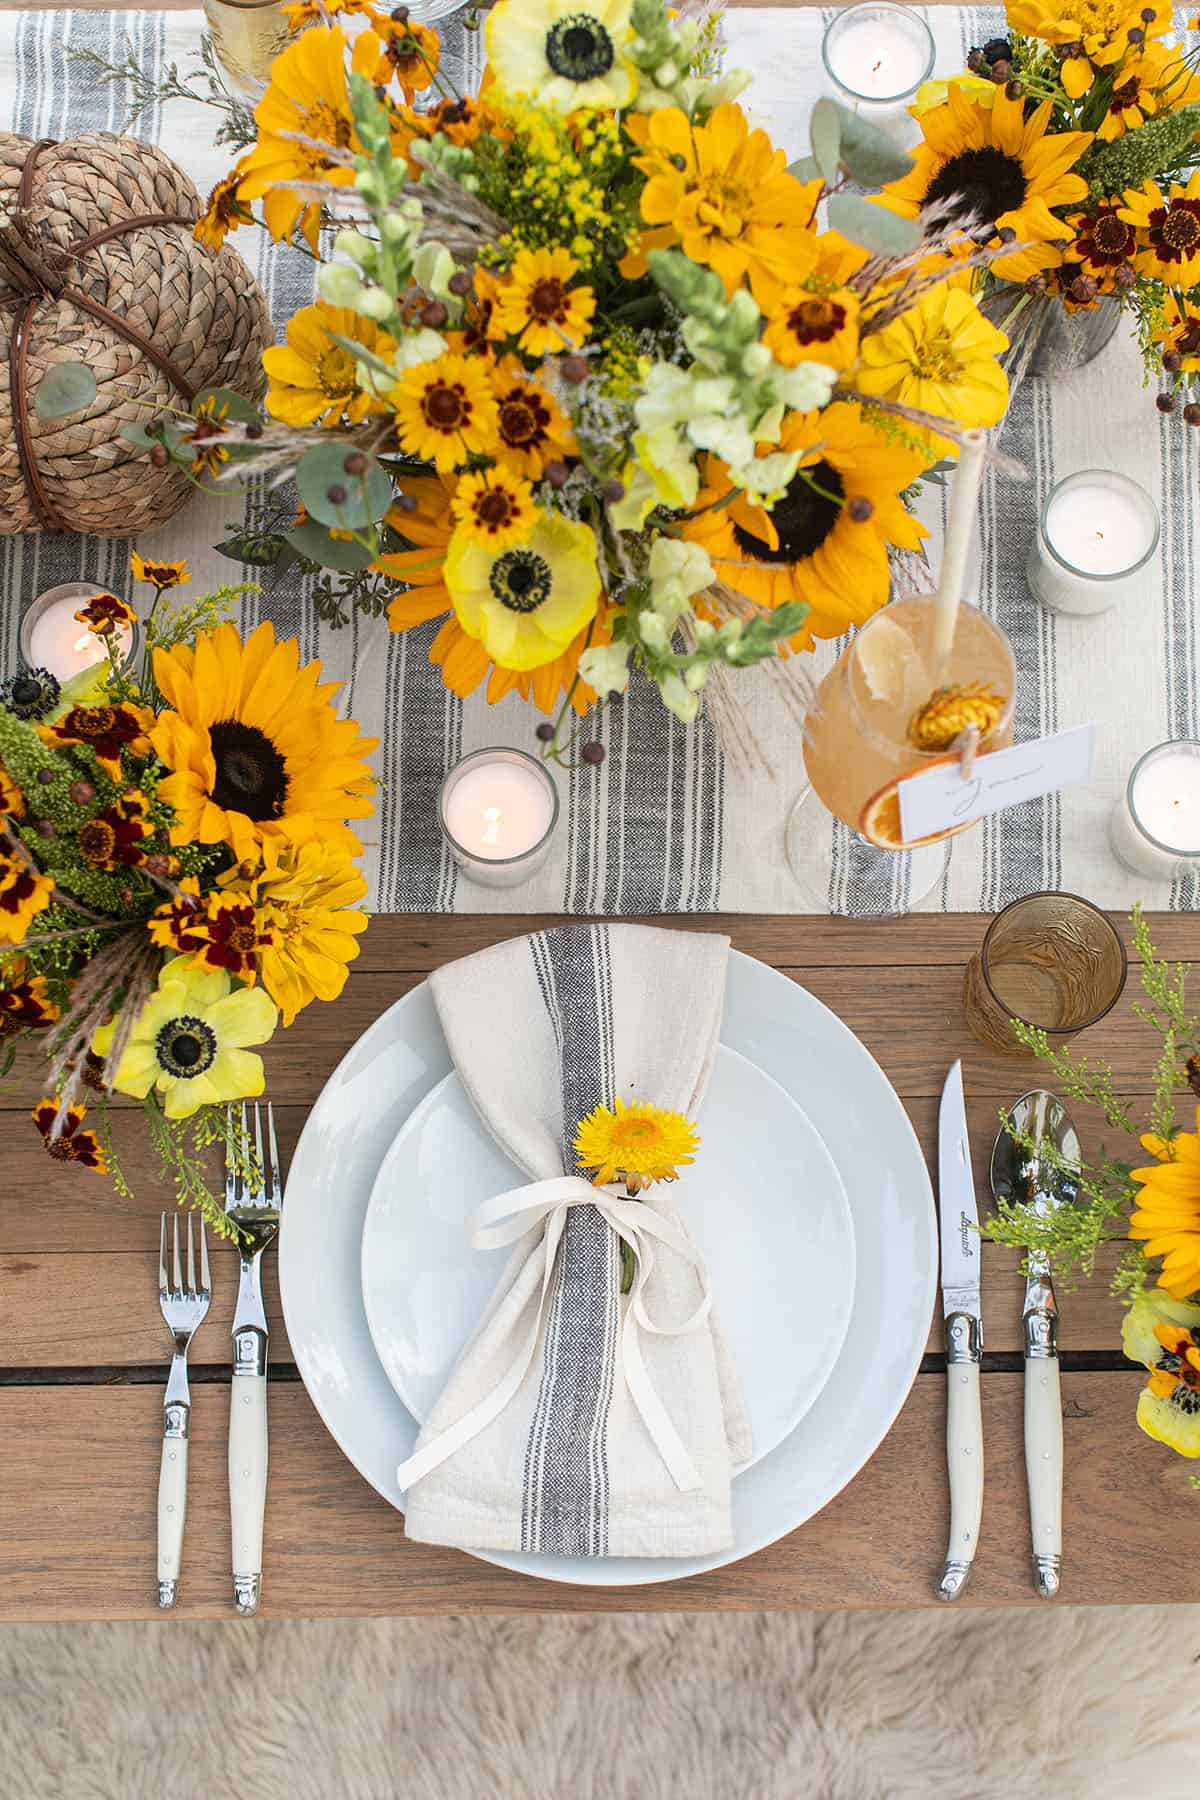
point(493, 819)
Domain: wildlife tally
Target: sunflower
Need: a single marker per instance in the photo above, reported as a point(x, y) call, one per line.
point(24, 892)
point(1167, 1220)
point(526, 604)
point(159, 575)
point(722, 192)
point(938, 357)
point(71, 1144)
point(565, 54)
point(1096, 31)
point(1179, 331)
point(305, 899)
point(530, 424)
point(635, 1143)
point(192, 1041)
point(826, 540)
point(254, 744)
point(1165, 1335)
point(12, 800)
point(494, 508)
point(446, 411)
point(116, 837)
point(26, 1005)
point(313, 379)
point(1168, 228)
point(104, 730)
point(538, 305)
point(308, 98)
point(223, 213)
point(105, 614)
point(999, 167)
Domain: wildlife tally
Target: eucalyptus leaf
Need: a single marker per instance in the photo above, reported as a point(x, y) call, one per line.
point(312, 541)
point(825, 136)
point(363, 499)
point(66, 388)
point(237, 550)
point(869, 154)
point(864, 222)
point(804, 168)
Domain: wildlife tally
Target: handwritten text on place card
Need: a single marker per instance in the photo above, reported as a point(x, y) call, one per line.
point(939, 799)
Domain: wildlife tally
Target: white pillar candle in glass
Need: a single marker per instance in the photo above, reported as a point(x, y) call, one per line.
point(1097, 530)
point(52, 638)
point(498, 809)
point(1155, 825)
point(877, 56)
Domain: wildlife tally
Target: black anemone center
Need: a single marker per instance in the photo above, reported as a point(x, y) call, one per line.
point(186, 1047)
point(520, 580)
point(986, 183)
point(31, 693)
point(579, 48)
point(804, 517)
point(251, 774)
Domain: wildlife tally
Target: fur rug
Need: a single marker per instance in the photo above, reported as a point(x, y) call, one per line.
point(1099, 1704)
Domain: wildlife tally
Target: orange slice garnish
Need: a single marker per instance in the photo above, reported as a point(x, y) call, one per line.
point(879, 821)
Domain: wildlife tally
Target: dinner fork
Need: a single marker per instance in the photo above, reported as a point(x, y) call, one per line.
point(184, 1309)
point(253, 1200)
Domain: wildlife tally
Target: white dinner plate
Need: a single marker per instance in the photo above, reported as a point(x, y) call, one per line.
point(763, 1202)
point(783, 1029)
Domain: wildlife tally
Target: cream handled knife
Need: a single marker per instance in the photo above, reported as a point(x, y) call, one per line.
point(964, 1335)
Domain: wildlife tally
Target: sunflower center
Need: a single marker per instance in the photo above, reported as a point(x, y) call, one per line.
point(985, 184)
point(1180, 229)
point(518, 426)
point(579, 49)
point(186, 1047)
point(335, 372)
point(803, 519)
point(443, 407)
point(520, 580)
point(816, 319)
point(548, 299)
point(251, 773)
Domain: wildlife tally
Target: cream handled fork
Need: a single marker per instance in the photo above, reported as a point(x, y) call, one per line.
point(253, 1199)
point(184, 1309)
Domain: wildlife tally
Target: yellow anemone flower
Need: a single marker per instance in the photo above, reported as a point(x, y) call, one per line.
point(314, 380)
point(24, 892)
point(1167, 1219)
point(539, 306)
point(938, 357)
point(1006, 169)
point(530, 425)
point(1168, 228)
point(819, 542)
point(304, 897)
point(635, 1143)
point(494, 508)
point(526, 603)
point(1165, 1335)
point(254, 745)
point(565, 54)
point(446, 411)
point(191, 1043)
point(1179, 330)
point(722, 192)
point(160, 575)
point(936, 92)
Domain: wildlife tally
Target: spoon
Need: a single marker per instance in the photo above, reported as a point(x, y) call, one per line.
point(1028, 1177)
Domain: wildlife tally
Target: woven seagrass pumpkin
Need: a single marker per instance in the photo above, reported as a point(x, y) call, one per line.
point(98, 265)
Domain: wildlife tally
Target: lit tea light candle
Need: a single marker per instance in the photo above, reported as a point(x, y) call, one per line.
point(52, 638)
point(1155, 826)
point(1097, 530)
point(498, 810)
point(878, 56)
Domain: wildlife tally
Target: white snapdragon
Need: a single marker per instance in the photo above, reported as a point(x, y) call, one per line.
point(678, 698)
point(804, 388)
point(677, 571)
point(340, 285)
point(605, 667)
point(433, 266)
point(765, 478)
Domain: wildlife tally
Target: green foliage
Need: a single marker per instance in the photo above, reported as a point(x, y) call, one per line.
point(868, 154)
point(28, 760)
point(205, 87)
point(336, 497)
point(179, 621)
point(874, 227)
point(1159, 147)
point(64, 389)
point(182, 1146)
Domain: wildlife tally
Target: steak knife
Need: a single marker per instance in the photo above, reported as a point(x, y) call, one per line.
point(959, 1222)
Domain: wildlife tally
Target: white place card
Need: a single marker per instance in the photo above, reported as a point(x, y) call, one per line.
point(939, 799)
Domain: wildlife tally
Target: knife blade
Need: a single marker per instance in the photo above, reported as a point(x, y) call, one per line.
point(959, 1221)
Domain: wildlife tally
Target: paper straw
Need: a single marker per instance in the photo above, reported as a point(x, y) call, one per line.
point(958, 542)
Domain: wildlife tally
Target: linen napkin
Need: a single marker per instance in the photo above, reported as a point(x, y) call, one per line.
point(578, 1420)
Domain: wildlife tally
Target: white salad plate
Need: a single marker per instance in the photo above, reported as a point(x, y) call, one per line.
point(763, 1202)
point(777, 1025)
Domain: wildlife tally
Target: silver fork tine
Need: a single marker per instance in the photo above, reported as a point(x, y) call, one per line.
point(205, 1277)
point(176, 1265)
point(276, 1184)
point(162, 1257)
point(191, 1258)
point(231, 1180)
point(261, 1195)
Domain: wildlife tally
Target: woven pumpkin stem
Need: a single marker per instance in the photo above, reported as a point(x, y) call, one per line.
point(29, 265)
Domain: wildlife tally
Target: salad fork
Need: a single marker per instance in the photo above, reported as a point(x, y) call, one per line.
point(253, 1201)
point(184, 1309)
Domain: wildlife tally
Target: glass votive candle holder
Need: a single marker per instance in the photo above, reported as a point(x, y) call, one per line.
point(877, 55)
point(1155, 825)
point(52, 638)
point(1051, 961)
point(247, 36)
point(1097, 530)
point(498, 809)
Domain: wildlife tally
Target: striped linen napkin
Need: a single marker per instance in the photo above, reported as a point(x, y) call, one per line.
point(580, 1421)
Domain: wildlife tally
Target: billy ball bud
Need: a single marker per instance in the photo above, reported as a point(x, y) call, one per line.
point(434, 314)
point(355, 463)
point(574, 368)
point(557, 474)
point(460, 282)
point(81, 792)
point(1165, 403)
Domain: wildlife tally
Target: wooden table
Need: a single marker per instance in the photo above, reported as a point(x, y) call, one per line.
point(82, 1358)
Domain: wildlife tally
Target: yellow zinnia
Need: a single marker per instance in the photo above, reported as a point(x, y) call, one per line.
point(938, 357)
point(305, 900)
point(635, 1143)
point(538, 305)
point(446, 411)
point(1168, 228)
point(565, 54)
point(1167, 1219)
point(526, 603)
point(254, 746)
point(313, 380)
point(191, 1043)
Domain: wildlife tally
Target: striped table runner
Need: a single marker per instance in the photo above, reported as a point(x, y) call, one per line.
point(670, 823)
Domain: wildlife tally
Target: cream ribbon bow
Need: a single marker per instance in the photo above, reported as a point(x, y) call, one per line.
point(509, 1216)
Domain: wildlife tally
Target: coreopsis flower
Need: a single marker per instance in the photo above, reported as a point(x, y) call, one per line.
point(1179, 331)
point(635, 1143)
point(1104, 242)
point(175, 925)
point(105, 614)
point(539, 307)
point(1095, 32)
point(24, 892)
point(12, 800)
point(410, 54)
point(525, 604)
point(814, 326)
point(209, 454)
point(159, 575)
point(224, 211)
point(232, 934)
point(938, 357)
point(71, 1144)
point(1168, 230)
point(193, 1041)
point(313, 380)
point(304, 901)
point(104, 730)
point(25, 1005)
point(254, 745)
point(446, 411)
point(1166, 1221)
point(564, 54)
point(530, 425)
point(494, 508)
point(1155, 82)
point(117, 836)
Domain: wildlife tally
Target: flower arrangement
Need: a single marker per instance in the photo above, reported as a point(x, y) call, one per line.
point(593, 379)
point(1075, 143)
point(176, 872)
point(1153, 1202)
